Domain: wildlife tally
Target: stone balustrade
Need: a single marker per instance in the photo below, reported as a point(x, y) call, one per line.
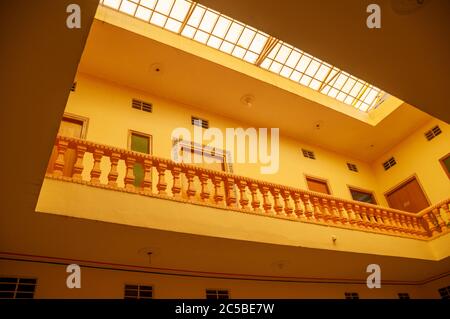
point(166, 179)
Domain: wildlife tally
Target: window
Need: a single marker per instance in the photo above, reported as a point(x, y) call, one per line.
point(317, 185)
point(362, 196)
point(15, 288)
point(403, 295)
point(141, 105)
point(308, 154)
point(351, 295)
point(445, 292)
point(445, 162)
point(199, 122)
point(435, 131)
point(138, 292)
point(139, 142)
point(352, 167)
point(217, 294)
point(389, 163)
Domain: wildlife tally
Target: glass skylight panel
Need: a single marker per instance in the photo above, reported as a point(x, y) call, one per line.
point(112, 3)
point(128, 7)
point(180, 10)
point(164, 7)
point(234, 32)
point(143, 13)
point(209, 27)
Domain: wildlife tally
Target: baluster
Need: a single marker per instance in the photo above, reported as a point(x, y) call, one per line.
point(204, 193)
point(358, 218)
point(432, 228)
point(406, 222)
point(326, 212)
point(231, 197)
point(335, 216)
point(255, 201)
point(393, 220)
point(415, 226)
point(403, 225)
point(419, 223)
point(298, 209)
point(129, 176)
point(439, 219)
point(410, 225)
point(176, 186)
point(288, 210)
point(344, 215)
point(364, 220)
point(276, 201)
point(58, 166)
point(380, 220)
point(372, 220)
point(243, 199)
point(162, 185)
point(113, 174)
point(218, 195)
point(446, 212)
point(402, 219)
point(397, 222)
point(266, 202)
point(96, 171)
point(307, 206)
point(387, 221)
point(78, 166)
point(351, 215)
point(191, 187)
point(147, 182)
point(317, 212)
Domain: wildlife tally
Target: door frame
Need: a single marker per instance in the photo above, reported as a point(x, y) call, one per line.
point(319, 179)
point(150, 140)
point(356, 188)
point(83, 119)
point(403, 183)
point(441, 161)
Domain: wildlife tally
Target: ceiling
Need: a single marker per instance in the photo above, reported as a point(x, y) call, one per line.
point(124, 57)
point(407, 57)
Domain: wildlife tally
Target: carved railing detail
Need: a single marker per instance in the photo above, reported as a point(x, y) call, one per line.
point(189, 183)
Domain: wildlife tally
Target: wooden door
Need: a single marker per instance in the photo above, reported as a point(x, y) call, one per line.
point(408, 197)
point(69, 127)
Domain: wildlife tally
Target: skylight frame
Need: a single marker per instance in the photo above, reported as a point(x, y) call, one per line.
point(197, 22)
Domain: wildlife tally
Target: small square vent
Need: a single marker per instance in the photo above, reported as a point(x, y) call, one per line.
point(435, 131)
point(352, 167)
point(141, 105)
point(199, 122)
point(308, 154)
point(389, 163)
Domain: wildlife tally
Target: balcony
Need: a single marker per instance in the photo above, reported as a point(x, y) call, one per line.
point(111, 168)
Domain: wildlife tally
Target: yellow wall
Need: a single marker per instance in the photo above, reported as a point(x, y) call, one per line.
point(417, 155)
point(100, 283)
point(108, 107)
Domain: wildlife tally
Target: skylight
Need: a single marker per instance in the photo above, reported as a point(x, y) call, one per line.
point(201, 24)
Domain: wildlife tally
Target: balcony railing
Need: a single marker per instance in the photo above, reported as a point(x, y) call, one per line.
point(113, 168)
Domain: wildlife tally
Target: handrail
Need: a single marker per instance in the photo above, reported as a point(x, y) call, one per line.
point(241, 193)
